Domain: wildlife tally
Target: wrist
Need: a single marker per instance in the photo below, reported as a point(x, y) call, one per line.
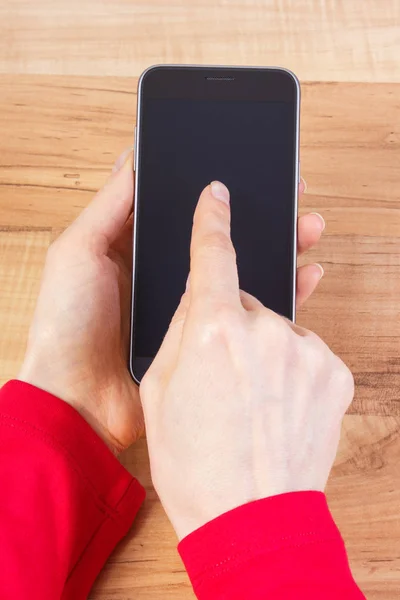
point(97, 427)
point(43, 377)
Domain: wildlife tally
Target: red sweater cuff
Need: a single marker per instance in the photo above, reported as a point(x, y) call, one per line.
point(114, 494)
point(63, 428)
point(263, 548)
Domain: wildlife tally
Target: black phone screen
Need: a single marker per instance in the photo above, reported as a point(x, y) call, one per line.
point(185, 143)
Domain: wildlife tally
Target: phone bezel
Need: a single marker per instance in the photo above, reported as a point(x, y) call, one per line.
point(231, 82)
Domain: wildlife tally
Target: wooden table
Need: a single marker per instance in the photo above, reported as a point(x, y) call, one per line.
point(68, 75)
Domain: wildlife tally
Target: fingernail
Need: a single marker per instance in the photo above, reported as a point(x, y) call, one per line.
point(304, 183)
point(122, 159)
point(321, 268)
point(219, 191)
point(322, 220)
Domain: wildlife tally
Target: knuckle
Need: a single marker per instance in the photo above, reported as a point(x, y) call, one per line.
point(344, 378)
point(318, 352)
point(218, 323)
point(216, 212)
point(178, 318)
point(338, 377)
point(312, 339)
point(217, 242)
point(273, 324)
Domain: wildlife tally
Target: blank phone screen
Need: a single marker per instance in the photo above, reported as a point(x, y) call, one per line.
point(184, 145)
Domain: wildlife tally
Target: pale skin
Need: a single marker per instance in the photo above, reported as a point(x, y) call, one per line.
point(78, 340)
point(240, 402)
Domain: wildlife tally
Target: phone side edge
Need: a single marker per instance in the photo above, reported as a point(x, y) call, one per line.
point(296, 189)
point(135, 217)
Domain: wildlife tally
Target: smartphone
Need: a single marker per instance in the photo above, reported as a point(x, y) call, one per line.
point(196, 124)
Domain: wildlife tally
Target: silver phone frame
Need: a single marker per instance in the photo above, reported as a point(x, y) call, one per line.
point(137, 134)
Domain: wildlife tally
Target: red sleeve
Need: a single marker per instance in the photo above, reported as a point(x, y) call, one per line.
point(65, 500)
point(285, 547)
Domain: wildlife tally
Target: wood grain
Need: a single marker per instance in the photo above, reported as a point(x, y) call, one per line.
point(22, 254)
point(350, 155)
point(341, 40)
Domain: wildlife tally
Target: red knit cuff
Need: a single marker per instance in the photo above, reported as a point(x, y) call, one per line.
point(255, 530)
point(115, 495)
point(62, 427)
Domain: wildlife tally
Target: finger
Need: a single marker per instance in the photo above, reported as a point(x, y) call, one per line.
point(120, 252)
point(309, 230)
point(122, 159)
point(213, 270)
point(308, 278)
point(249, 302)
point(302, 186)
point(104, 218)
point(296, 328)
point(123, 244)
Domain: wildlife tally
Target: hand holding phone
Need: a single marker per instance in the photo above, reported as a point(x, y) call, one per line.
point(78, 339)
point(195, 125)
point(239, 403)
point(79, 336)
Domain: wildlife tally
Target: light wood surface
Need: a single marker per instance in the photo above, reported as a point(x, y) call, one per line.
point(60, 134)
point(321, 40)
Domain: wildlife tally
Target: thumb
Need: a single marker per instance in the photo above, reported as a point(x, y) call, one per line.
point(102, 220)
